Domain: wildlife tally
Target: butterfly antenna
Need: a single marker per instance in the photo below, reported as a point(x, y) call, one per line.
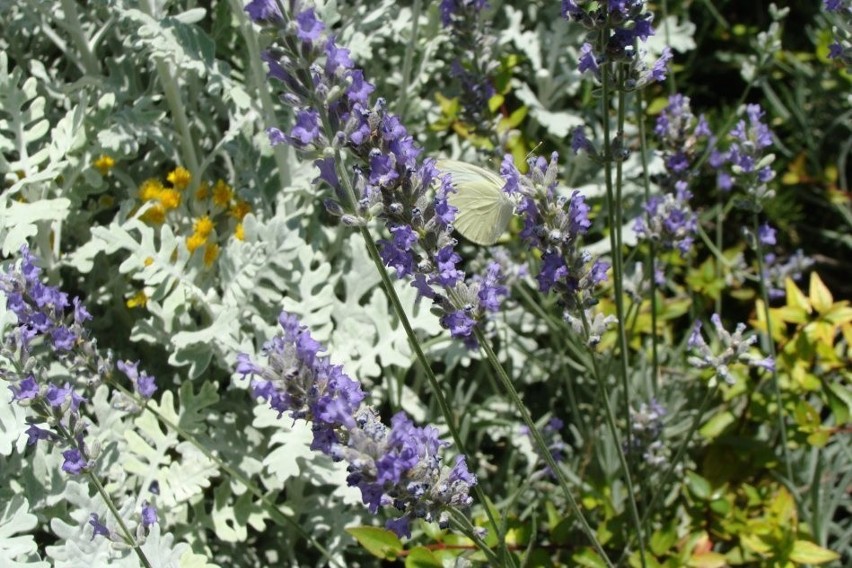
point(531, 152)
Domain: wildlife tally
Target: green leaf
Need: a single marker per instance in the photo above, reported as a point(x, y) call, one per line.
point(708, 560)
point(698, 486)
point(421, 557)
point(820, 438)
point(663, 539)
point(840, 400)
point(720, 506)
point(381, 543)
point(806, 552)
point(806, 416)
point(588, 558)
point(717, 425)
point(819, 294)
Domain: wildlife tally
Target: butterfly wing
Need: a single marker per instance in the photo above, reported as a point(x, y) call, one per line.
point(484, 210)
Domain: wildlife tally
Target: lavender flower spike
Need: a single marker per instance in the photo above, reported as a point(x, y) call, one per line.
point(735, 348)
point(333, 108)
point(395, 465)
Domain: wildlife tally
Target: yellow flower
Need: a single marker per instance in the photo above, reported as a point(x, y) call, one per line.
point(103, 164)
point(203, 226)
point(203, 191)
point(137, 300)
point(149, 260)
point(222, 194)
point(239, 232)
point(211, 253)
point(240, 210)
point(150, 189)
point(155, 215)
point(195, 241)
point(170, 198)
point(179, 178)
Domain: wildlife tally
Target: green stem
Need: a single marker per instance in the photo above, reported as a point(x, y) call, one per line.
point(776, 387)
point(719, 245)
point(515, 398)
point(128, 536)
point(581, 365)
point(652, 261)
point(618, 264)
point(613, 201)
point(613, 198)
point(465, 527)
point(410, 48)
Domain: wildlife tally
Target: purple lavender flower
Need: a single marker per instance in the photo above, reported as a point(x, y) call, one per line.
point(51, 328)
point(473, 63)
point(143, 383)
point(27, 389)
point(75, 463)
point(397, 465)
point(306, 129)
point(149, 515)
point(275, 136)
point(777, 270)
point(451, 9)
point(98, 528)
point(262, 11)
point(617, 26)
point(646, 427)
point(746, 163)
point(308, 26)
point(56, 396)
point(766, 235)
point(34, 434)
point(570, 10)
point(839, 16)
point(735, 348)
point(40, 309)
point(588, 61)
point(554, 224)
point(679, 132)
point(669, 220)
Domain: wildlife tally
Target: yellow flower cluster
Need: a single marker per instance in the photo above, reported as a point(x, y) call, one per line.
point(165, 198)
point(219, 200)
point(219, 203)
point(215, 211)
point(103, 164)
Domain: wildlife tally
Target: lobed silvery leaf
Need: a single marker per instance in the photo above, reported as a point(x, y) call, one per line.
point(18, 548)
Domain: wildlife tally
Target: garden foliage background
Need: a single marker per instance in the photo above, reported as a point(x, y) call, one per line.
point(139, 171)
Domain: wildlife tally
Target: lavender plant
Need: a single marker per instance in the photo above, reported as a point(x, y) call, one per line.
point(397, 465)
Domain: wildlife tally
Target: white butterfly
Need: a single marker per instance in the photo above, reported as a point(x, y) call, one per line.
point(484, 210)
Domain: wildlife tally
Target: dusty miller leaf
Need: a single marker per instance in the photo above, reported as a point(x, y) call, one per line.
point(18, 549)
